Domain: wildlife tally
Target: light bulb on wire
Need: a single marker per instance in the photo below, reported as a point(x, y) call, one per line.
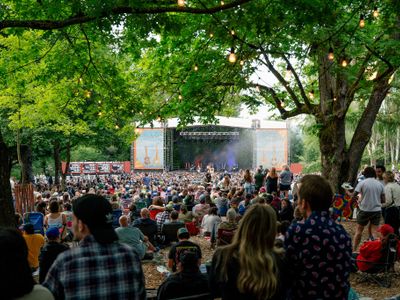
point(181, 3)
point(288, 73)
point(232, 56)
point(233, 32)
point(375, 13)
point(258, 88)
point(344, 62)
point(180, 97)
point(362, 21)
point(211, 35)
point(196, 68)
point(283, 104)
point(241, 62)
point(222, 3)
point(331, 56)
point(311, 94)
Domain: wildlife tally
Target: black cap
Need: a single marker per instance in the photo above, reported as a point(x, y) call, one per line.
point(96, 212)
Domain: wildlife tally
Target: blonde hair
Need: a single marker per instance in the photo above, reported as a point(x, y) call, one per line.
point(253, 246)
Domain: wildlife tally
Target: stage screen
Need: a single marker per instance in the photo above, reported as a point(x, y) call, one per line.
point(148, 149)
point(271, 148)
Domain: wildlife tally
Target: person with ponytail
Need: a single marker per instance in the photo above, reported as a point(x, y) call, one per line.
point(251, 267)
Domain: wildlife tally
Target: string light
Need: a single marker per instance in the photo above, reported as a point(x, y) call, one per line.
point(362, 21)
point(211, 35)
point(331, 56)
point(311, 94)
point(241, 62)
point(196, 68)
point(180, 97)
point(80, 80)
point(283, 104)
point(232, 32)
point(288, 73)
point(181, 3)
point(100, 113)
point(232, 56)
point(375, 13)
point(257, 88)
point(116, 126)
point(99, 101)
point(344, 62)
point(88, 94)
point(222, 3)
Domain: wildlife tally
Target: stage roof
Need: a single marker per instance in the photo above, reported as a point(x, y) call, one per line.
point(229, 122)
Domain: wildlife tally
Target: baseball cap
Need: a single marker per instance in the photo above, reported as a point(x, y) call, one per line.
point(52, 233)
point(347, 186)
point(385, 229)
point(182, 230)
point(96, 212)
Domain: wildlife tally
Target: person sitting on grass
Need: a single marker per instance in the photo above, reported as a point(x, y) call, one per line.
point(134, 238)
point(184, 245)
point(187, 281)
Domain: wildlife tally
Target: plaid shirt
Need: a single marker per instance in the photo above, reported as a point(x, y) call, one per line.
point(161, 218)
point(97, 271)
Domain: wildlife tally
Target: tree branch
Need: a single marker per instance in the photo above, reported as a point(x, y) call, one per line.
point(282, 80)
point(298, 81)
point(120, 10)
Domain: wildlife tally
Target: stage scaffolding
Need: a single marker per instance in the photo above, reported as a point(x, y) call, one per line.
point(168, 149)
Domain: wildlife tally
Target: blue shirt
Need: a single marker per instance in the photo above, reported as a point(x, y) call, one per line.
point(318, 252)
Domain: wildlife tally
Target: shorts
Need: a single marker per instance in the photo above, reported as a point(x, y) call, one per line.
point(363, 217)
point(284, 187)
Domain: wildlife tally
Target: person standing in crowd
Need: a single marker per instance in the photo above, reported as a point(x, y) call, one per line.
point(183, 246)
point(100, 267)
point(210, 221)
point(34, 242)
point(318, 250)
point(372, 197)
point(379, 170)
point(285, 179)
point(250, 267)
point(248, 182)
point(50, 252)
point(16, 280)
point(392, 202)
point(272, 181)
point(259, 179)
point(187, 281)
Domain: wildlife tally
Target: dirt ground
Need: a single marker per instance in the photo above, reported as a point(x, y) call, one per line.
point(365, 289)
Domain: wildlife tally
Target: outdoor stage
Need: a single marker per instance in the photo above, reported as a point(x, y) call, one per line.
point(233, 143)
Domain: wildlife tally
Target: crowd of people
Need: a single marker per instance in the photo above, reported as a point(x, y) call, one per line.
point(273, 234)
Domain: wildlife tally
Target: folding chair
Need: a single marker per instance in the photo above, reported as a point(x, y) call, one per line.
point(381, 272)
point(36, 219)
point(225, 236)
point(149, 230)
point(117, 213)
point(169, 232)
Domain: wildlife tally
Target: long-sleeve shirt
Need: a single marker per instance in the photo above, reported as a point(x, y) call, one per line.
point(318, 252)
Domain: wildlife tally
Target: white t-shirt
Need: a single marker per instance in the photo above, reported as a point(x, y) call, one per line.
point(371, 191)
point(209, 222)
point(392, 195)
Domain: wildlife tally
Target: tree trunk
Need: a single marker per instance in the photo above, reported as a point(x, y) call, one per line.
point(6, 201)
point(363, 132)
point(27, 171)
point(57, 162)
point(68, 160)
point(332, 143)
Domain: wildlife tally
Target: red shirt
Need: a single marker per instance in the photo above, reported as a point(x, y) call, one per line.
point(153, 213)
point(369, 251)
